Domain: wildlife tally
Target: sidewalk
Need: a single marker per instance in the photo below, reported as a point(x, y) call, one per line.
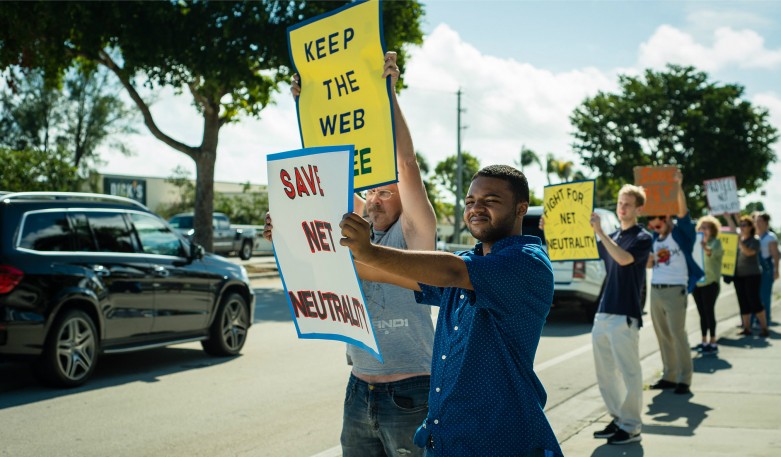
point(734, 409)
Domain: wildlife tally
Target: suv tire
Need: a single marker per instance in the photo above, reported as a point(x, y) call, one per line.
point(228, 332)
point(246, 250)
point(71, 350)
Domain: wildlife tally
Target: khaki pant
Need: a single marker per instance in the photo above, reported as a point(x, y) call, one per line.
point(616, 348)
point(668, 311)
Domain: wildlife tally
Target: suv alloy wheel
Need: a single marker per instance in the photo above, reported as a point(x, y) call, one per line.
point(71, 351)
point(229, 329)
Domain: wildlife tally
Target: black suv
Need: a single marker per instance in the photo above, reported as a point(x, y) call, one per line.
point(88, 274)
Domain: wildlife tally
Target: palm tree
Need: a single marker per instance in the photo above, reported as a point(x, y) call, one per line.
point(528, 157)
point(564, 170)
point(551, 166)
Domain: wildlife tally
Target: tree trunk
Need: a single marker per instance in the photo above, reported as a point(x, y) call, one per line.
point(204, 181)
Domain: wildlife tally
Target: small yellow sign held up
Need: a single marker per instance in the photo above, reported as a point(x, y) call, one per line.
point(729, 242)
point(344, 99)
point(567, 211)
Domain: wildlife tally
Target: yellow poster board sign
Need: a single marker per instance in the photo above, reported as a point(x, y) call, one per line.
point(729, 242)
point(344, 99)
point(661, 192)
point(567, 210)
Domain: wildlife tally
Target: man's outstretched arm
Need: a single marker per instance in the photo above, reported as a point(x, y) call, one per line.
point(439, 269)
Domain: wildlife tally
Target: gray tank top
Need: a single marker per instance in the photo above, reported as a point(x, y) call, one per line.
point(404, 329)
point(748, 265)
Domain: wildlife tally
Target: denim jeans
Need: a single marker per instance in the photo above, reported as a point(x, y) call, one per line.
point(766, 287)
point(381, 419)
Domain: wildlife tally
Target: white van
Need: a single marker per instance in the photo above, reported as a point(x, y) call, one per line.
point(577, 282)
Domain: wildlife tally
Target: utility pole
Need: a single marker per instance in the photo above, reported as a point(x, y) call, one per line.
point(457, 214)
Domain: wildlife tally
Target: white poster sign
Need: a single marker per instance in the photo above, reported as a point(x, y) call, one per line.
point(722, 195)
point(309, 190)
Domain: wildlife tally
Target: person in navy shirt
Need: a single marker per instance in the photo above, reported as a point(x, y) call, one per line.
point(615, 337)
point(485, 398)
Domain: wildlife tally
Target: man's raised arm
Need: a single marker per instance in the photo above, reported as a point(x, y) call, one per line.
point(419, 223)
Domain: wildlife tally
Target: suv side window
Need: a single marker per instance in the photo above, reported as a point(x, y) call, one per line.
point(46, 231)
point(83, 239)
point(155, 237)
point(111, 232)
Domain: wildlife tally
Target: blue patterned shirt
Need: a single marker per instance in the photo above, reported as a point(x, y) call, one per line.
point(485, 398)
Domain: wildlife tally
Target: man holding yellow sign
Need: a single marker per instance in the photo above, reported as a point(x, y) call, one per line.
point(386, 402)
point(615, 336)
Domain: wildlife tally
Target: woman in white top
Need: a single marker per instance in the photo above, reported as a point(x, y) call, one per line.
point(768, 259)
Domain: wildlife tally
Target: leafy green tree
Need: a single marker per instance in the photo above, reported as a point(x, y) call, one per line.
point(446, 174)
point(33, 170)
point(753, 207)
point(74, 119)
point(185, 189)
point(229, 56)
point(440, 207)
point(248, 208)
point(527, 158)
point(675, 117)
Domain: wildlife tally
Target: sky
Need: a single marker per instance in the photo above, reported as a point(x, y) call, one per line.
point(522, 67)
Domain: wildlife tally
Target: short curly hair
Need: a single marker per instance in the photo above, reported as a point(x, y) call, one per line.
point(714, 223)
point(514, 177)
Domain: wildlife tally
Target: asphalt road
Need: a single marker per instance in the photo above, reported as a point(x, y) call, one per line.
point(281, 397)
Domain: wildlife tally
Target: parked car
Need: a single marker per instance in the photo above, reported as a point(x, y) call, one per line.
point(577, 282)
point(82, 275)
point(227, 239)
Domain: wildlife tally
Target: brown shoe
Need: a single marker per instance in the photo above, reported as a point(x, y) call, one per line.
point(764, 333)
point(745, 332)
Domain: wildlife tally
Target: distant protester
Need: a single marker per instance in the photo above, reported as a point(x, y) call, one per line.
point(768, 260)
point(707, 291)
point(615, 336)
point(675, 275)
point(748, 275)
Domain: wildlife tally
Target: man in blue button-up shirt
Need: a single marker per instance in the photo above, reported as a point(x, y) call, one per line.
point(485, 398)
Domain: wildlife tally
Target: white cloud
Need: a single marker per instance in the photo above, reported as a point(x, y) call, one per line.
point(702, 22)
point(507, 103)
point(741, 48)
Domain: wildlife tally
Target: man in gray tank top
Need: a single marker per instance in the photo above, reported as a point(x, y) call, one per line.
point(385, 403)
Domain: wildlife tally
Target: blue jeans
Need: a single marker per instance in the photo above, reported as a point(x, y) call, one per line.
point(380, 419)
point(765, 289)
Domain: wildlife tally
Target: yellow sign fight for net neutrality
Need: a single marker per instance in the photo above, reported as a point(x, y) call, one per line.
point(344, 99)
point(567, 210)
